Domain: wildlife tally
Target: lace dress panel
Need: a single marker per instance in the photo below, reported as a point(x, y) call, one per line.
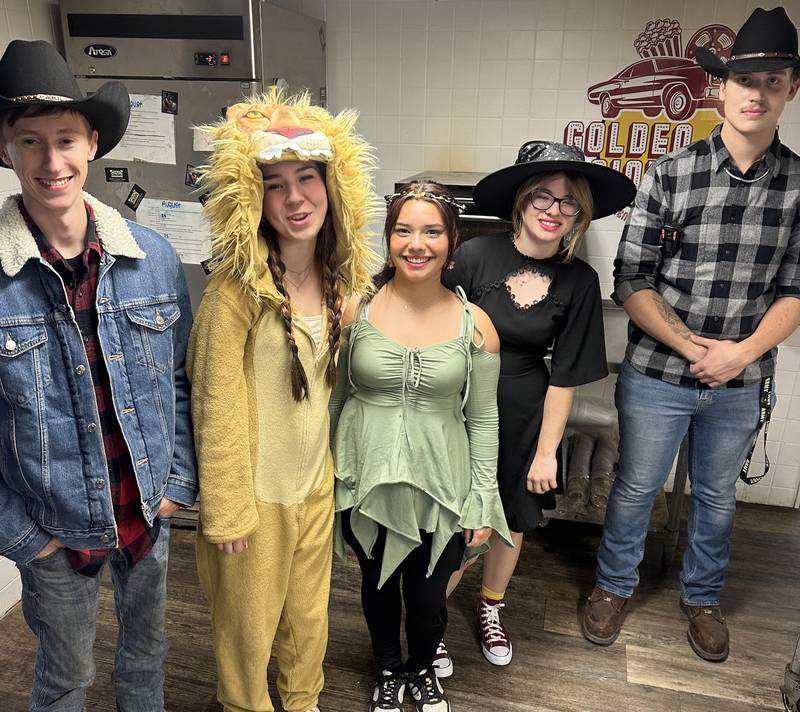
point(527, 286)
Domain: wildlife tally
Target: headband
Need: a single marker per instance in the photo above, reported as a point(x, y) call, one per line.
point(425, 195)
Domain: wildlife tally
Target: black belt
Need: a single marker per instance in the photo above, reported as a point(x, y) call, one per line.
point(765, 410)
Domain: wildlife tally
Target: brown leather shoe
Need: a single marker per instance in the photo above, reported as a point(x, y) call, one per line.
point(708, 632)
point(603, 616)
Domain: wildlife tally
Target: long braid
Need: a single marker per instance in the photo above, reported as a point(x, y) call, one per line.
point(383, 277)
point(333, 299)
point(276, 268)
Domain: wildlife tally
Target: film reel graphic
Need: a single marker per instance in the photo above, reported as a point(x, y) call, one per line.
point(717, 39)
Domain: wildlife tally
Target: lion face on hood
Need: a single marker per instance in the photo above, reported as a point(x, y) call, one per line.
point(279, 133)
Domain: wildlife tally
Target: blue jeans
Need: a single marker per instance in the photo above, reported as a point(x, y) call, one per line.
point(60, 607)
point(654, 416)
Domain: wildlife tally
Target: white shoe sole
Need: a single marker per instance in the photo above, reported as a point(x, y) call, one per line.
point(444, 670)
point(499, 660)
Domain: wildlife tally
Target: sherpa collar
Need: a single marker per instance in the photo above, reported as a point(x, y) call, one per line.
point(17, 244)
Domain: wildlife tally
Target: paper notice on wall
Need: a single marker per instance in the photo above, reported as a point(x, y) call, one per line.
point(201, 141)
point(151, 133)
point(182, 223)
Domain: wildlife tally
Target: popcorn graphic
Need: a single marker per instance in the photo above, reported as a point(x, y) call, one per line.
point(660, 38)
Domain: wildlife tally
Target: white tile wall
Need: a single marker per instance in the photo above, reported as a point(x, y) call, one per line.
point(460, 84)
point(10, 586)
point(26, 20)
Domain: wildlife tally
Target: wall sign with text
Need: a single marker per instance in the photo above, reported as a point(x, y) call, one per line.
point(659, 103)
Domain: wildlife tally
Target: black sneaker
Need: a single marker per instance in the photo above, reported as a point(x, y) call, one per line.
point(791, 690)
point(388, 693)
point(427, 692)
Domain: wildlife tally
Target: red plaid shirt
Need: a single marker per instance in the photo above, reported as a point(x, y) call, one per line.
point(135, 537)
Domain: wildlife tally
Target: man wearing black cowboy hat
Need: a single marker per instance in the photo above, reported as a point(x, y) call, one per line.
point(96, 448)
point(708, 271)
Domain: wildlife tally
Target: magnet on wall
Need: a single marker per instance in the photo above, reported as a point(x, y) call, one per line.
point(169, 102)
point(116, 175)
point(206, 265)
point(204, 198)
point(135, 197)
point(281, 83)
point(193, 176)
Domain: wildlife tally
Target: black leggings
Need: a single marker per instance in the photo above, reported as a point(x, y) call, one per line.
point(425, 598)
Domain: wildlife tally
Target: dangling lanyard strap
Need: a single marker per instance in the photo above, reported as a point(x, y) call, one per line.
point(765, 410)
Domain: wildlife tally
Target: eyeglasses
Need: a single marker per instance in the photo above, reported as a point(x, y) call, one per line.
point(542, 200)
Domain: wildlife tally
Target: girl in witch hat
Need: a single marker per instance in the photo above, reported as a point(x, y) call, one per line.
point(539, 295)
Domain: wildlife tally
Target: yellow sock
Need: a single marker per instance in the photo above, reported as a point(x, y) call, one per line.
point(490, 595)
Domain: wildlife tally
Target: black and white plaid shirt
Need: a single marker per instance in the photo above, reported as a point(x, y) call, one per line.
point(739, 249)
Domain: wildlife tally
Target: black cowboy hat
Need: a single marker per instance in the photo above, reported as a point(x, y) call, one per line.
point(767, 42)
point(35, 74)
point(495, 194)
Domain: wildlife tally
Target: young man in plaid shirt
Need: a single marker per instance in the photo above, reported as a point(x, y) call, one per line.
point(707, 270)
point(96, 448)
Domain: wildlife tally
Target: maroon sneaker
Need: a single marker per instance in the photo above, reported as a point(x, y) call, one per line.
point(493, 636)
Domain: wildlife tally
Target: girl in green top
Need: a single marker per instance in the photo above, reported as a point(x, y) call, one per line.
point(414, 423)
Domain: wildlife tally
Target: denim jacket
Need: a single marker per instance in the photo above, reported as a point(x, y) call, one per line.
point(53, 472)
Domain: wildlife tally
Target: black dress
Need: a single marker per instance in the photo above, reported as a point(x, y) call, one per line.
point(568, 318)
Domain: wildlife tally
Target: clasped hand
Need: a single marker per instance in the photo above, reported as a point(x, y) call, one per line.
point(722, 360)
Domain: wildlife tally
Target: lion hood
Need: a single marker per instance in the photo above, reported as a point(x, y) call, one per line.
point(268, 129)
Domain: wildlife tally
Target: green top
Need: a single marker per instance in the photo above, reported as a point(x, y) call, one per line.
point(415, 439)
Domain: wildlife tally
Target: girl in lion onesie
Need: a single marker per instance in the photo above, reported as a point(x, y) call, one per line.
point(289, 207)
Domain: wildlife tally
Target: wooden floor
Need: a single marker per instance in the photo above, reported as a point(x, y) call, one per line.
point(650, 667)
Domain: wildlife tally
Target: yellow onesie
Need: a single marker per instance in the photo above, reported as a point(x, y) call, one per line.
point(277, 492)
point(265, 466)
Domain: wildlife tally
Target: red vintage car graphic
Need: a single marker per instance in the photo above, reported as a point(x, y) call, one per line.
point(675, 85)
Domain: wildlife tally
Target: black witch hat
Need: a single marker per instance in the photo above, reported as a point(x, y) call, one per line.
point(495, 194)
